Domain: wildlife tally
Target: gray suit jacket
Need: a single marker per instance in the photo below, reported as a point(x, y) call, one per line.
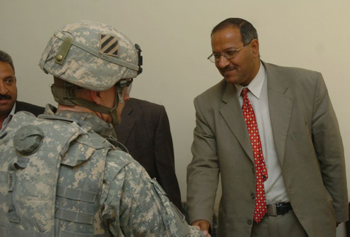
point(145, 131)
point(308, 144)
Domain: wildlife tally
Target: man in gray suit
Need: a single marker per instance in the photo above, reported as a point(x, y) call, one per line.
point(294, 176)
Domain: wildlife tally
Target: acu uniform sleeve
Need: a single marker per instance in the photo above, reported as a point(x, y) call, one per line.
point(137, 206)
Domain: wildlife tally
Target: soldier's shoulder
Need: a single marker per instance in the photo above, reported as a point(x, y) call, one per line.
point(118, 161)
point(122, 159)
point(24, 118)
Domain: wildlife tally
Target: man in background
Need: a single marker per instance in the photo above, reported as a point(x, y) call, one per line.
point(272, 135)
point(8, 92)
point(145, 131)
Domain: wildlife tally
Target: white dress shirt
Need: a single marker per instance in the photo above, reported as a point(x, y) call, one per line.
point(274, 185)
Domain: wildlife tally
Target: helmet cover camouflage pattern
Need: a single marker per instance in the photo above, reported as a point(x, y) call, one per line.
point(97, 55)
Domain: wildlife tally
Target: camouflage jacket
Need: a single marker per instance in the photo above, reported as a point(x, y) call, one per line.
point(99, 189)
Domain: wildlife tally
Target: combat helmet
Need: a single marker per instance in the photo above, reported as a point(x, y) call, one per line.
point(90, 55)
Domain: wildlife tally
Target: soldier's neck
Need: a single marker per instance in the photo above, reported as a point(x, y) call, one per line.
point(75, 108)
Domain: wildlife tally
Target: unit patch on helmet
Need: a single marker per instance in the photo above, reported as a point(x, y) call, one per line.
point(109, 45)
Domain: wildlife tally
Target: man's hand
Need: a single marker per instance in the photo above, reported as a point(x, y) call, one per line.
point(203, 225)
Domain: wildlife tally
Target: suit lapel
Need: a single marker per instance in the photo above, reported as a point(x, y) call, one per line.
point(280, 107)
point(125, 127)
point(232, 114)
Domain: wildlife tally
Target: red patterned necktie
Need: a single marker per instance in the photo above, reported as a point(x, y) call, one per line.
point(260, 167)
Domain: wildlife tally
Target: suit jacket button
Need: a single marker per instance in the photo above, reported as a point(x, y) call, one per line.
point(253, 196)
point(249, 222)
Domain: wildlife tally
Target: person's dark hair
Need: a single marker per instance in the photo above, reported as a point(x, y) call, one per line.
point(6, 58)
point(248, 32)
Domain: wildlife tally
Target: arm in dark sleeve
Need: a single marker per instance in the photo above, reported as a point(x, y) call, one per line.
point(164, 156)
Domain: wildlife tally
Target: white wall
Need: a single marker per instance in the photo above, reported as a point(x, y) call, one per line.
point(174, 36)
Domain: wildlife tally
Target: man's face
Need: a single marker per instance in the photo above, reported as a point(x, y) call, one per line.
point(245, 65)
point(8, 89)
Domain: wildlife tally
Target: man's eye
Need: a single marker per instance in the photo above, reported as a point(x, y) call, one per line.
point(231, 52)
point(216, 55)
point(8, 80)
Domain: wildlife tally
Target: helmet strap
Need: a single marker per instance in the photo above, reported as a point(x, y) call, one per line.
point(66, 96)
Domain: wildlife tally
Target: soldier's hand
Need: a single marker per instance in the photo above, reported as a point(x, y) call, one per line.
point(203, 225)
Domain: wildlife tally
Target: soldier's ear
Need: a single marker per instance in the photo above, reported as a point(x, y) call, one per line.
point(96, 97)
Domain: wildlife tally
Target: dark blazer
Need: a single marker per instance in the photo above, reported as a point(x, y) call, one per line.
point(145, 131)
point(34, 109)
point(308, 145)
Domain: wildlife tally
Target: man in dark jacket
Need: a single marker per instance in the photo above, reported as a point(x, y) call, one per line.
point(8, 92)
point(145, 131)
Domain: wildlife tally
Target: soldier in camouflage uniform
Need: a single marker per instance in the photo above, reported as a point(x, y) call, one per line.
point(62, 174)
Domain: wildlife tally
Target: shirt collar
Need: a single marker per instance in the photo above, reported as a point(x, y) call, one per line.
point(13, 109)
point(255, 86)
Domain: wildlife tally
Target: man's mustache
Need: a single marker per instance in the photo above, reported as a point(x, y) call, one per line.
point(7, 97)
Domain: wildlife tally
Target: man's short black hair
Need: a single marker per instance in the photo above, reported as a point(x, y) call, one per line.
point(247, 30)
point(6, 58)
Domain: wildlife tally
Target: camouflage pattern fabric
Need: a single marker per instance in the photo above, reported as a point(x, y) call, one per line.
point(87, 65)
point(27, 195)
point(99, 189)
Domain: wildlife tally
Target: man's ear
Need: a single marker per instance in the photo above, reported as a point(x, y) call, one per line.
point(255, 47)
point(96, 97)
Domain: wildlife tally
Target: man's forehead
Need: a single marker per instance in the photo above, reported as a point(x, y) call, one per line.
point(226, 39)
point(6, 69)
point(228, 30)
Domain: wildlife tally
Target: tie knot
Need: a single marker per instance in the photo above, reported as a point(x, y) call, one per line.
point(244, 92)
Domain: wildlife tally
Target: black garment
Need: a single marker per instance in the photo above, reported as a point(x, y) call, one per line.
point(145, 131)
point(34, 109)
